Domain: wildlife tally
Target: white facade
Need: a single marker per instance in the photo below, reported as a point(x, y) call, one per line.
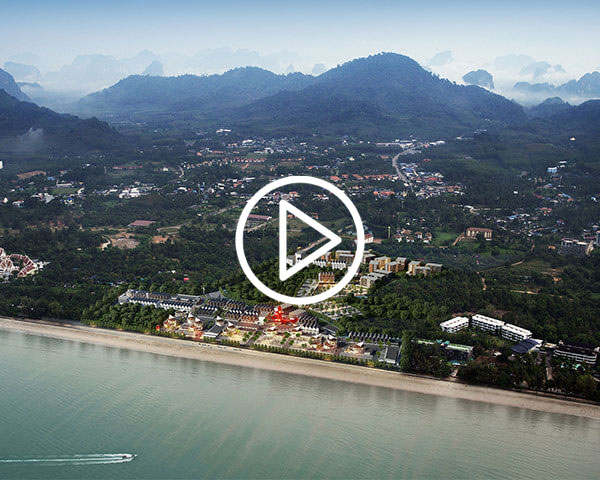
point(454, 324)
point(514, 333)
point(579, 355)
point(486, 323)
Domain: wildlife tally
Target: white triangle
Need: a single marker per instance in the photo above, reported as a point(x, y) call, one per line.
point(334, 240)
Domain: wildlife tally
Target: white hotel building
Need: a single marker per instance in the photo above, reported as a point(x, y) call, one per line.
point(454, 324)
point(486, 323)
point(514, 333)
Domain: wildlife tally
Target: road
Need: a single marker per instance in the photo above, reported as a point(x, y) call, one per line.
point(399, 171)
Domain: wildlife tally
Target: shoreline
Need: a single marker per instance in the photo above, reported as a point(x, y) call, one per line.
point(301, 366)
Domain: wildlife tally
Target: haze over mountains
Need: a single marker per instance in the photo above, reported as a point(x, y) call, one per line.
point(381, 91)
point(523, 78)
point(383, 96)
point(27, 128)
point(91, 72)
point(520, 77)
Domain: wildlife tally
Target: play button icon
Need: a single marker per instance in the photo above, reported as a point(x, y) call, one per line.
point(333, 240)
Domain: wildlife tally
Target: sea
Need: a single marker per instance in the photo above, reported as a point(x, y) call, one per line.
point(76, 410)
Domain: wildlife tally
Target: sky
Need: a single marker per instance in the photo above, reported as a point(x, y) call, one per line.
point(331, 32)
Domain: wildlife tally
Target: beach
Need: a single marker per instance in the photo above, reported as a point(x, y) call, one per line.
point(300, 366)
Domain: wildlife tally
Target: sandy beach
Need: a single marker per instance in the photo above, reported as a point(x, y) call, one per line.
point(301, 366)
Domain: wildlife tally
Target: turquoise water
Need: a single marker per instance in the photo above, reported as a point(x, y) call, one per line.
point(66, 405)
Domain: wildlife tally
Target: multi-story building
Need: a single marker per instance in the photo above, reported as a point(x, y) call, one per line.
point(514, 333)
point(345, 256)
point(455, 324)
point(577, 352)
point(434, 267)
point(412, 266)
point(417, 267)
point(456, 352)
point(488, 324)
point(369, 279)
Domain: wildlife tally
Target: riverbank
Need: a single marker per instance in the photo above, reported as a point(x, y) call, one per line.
point(300, 366)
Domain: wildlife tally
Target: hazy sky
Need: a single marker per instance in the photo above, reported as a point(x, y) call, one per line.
point(565, 32)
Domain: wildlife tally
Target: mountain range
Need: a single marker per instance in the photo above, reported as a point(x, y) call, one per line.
point(587, 87)
point(385, 92)
point(381, 96)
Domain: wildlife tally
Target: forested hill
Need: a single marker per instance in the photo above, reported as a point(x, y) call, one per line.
point(190, 92)
point(26, 127)
point(384, 92)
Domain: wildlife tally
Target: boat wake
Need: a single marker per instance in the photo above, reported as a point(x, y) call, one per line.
point(63, 460)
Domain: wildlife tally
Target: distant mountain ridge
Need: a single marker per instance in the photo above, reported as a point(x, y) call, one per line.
point(549, 107)
point(188, 92)
point(382, 91)
point(586, 87)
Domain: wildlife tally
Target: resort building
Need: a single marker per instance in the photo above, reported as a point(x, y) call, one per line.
point(417, 267)
point(455, 324)
point(473, 232)
point(182, 303)
point(368, 337)
point(486, 323)
point(326, 278)
point(514, 333)
point(526, 346)
point(368, 280)
point(390, 354)
point(456, 352)
point(452, 351)
point(576, 248)
point(577, 352)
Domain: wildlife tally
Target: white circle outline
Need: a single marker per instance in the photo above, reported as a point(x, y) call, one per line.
point(360, 239)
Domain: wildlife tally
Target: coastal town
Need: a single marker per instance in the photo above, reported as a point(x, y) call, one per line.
point(423, 225)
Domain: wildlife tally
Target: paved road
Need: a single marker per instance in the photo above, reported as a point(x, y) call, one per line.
point(399, 171)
